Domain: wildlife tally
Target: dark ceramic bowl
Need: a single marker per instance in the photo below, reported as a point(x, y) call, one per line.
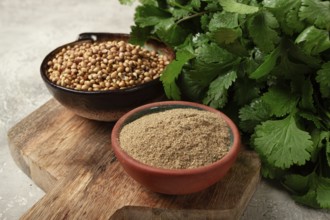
point(174, 181)
point(105, 105)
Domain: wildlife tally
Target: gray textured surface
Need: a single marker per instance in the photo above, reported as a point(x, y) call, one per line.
point(29, 29)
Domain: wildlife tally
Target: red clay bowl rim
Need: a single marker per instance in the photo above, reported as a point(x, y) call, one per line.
point(233, 152)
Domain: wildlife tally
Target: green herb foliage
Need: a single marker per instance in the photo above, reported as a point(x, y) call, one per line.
point(263, 62)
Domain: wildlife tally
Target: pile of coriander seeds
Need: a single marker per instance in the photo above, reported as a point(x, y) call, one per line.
point(108, 65)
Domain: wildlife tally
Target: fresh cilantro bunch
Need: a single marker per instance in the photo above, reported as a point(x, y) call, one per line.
point(264, 63)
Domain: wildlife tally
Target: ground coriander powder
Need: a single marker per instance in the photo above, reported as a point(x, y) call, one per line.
point(176, 139)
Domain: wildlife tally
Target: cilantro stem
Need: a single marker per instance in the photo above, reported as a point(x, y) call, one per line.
point(190, 17)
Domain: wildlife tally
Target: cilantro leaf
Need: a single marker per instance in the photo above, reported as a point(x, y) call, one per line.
point(312, 190)
point(324, 141)
point(287, 68)
point(126, 2)
point(243, 84)
point(171, 33)
point(234, 6)
point(262, 27)
point(311, 117)
point(287, 14)
point(280, 101)
point(226, 35)
point(308, 199)
point(149, 15)
point(150, 2)
point(191, 88)
point(305, 187)
point(216, 96)
point(171, 73)
point(212, 53)
point(282, 143)
point(253, 114)
point(180, 5)
point(251, 63)
point(224, 27)
point(271, 172)
point(139, 35)
point(204, 72)
point(196, 4)
point(318, 138)
point(305, 88)
point(324, 80)
point(323, 192)
point(267, 66)
point(292, 19)
point(236, 47)
point(321, 19)
point(300, 56)
point(179, 13)
point(223, 20)
point(211, 61)
point(205, 20)
point(199, 40)
point(279, 63)
point(327, 148)
point(297, 183)
point(313, 40)
point(212, 5)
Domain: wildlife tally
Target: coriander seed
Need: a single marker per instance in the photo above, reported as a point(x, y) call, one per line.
point(108, 65)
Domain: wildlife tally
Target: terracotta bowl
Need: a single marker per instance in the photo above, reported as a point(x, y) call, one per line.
point(174, 181)
point(105, 105)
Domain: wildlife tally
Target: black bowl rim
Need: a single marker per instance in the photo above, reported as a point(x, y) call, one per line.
point(81, 92)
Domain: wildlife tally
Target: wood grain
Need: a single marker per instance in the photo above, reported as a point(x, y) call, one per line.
point(71, 160)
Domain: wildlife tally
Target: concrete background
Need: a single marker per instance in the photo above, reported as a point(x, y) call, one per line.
point(29, 29)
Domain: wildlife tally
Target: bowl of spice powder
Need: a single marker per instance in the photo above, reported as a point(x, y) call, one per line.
point(101, 76)
point(175, 147)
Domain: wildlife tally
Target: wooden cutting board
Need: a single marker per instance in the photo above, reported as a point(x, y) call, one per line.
point(70, 158)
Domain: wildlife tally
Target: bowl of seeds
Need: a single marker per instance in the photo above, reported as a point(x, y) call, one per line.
point(101, 76)
point(175, 147)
